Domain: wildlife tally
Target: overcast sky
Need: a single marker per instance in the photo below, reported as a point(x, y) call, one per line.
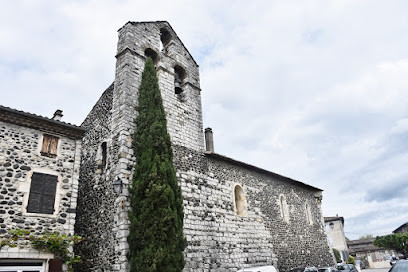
point(313, 90)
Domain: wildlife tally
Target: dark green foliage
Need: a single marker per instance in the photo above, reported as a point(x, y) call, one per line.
point(337, 255)
point(156, 240)
point(54, 242)
point(396, 241)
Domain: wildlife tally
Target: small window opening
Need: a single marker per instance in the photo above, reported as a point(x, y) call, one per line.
point(151, 53)
point(240, 201)
point(49, 146)
point(308, 214)
point(284, 208)
point(165, 38)
point(104, 152)
point(179, 76)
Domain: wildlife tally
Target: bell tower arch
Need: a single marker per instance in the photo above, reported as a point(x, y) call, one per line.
point(178, 75)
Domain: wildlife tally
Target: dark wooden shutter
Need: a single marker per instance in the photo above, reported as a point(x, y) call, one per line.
point(50, 187)
point(35, 197)
point(55, 265)
point(42, 193)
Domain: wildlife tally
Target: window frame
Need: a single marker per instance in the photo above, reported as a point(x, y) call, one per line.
point(102, 157)
point(309, 216)
point(48, 152)
point(25, 188)
point(18, 266)
point(284, 208)
point(242, 201)
point(43, 187)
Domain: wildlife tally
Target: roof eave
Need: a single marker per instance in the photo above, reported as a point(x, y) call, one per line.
point(41, 123)
point(260, 170)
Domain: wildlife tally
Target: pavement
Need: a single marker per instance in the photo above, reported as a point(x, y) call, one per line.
point(376, 270)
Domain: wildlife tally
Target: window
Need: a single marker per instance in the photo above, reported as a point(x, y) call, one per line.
point(42, 193)
point(152, 54)
point(101, 157)
point(284, 208)
point(104, 151)
point(240, 201)
point(165, 38)
point(308, 212)
point(179, 76)
point(22, 266)
point(49, 146)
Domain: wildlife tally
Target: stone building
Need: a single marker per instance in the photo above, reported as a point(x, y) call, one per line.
point(401, 229)
point(364, 249)
point(39, 170)
point(236, 215)
point(335, 233)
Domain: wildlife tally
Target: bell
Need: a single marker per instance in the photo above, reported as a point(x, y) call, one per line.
point(176, 84)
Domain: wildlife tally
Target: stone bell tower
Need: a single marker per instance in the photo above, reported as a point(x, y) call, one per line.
point(178, 76)
point(179, 84)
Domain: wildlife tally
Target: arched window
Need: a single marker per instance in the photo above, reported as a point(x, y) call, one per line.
point(179, 76)
point(101, 157)
point(165, 38)
point(104, 154)
point(151, 53)
point(240, 201)
point(308, 212)
point(284, 208)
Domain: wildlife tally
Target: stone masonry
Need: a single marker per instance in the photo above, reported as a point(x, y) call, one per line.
point(236, 215)
point(401, 229)
point(21, 138)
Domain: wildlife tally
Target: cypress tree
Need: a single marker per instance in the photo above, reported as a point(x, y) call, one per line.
point(156, 240)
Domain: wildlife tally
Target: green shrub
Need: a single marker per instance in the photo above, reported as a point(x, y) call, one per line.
point(351, 260)
point(337, 255)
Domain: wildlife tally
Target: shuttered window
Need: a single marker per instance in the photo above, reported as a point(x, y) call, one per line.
point(42, 193)
point(49, 146)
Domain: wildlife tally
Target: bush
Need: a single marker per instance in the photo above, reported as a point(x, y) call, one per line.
point(351, 260)
point(337, 255)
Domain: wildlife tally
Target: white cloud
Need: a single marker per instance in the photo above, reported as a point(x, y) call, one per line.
point(313, 90)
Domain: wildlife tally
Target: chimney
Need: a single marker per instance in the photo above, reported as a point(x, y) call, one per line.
point(209, 141)
point(57, 115)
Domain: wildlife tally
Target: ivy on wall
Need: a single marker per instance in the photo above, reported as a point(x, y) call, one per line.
point(54, 242)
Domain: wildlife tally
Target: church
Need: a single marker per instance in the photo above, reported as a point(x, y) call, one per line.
point(236, 215)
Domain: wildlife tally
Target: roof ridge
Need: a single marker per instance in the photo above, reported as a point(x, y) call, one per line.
point(36, 116)
point(257, 168)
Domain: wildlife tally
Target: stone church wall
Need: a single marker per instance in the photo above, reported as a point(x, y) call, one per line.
point(218, 239)
point(96, 196)
point(214, 230)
